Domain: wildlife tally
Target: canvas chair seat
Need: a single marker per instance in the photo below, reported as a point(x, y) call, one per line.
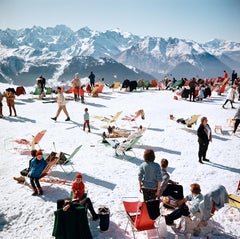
point(65, 159)
point(122, 147)
point(111, 119)
point(137, 213)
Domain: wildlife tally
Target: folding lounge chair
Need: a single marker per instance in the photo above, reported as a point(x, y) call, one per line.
point(31, 143)
point(126, 145)
point(138, 216)
point(134, 117)
point(113, 118)
point(49, 166)
point(192, 120)
point(65, 158)
point(109, 120)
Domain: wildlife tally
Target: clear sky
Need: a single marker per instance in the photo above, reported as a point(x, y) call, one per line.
point(198, 20)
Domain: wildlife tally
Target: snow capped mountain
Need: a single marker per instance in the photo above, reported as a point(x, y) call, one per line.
point(53, 51)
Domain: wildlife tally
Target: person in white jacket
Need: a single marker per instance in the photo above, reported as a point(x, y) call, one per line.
point(230, 97)
point(61, 105)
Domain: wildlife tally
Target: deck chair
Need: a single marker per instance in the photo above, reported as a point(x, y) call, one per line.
point(49, 166)
point(138, 216)
point(65, 159)
point(37, 91)
point(113, 118)
point(126, 145)
point(109, 120)
point(116, 85)
point(134, 117)
point(234, 201)
point(31, 143)
point(49, 91)
point(193, 120)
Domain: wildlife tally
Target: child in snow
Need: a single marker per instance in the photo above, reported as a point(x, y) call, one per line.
point(81, 92)
point(86, 120)
point(79, 197)
point(201, 93)
point(37, 165)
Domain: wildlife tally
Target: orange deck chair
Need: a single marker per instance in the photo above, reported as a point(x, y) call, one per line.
point(31, 143)
point(138, 216)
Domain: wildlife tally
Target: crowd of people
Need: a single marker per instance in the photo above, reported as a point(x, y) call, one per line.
point(154, 180)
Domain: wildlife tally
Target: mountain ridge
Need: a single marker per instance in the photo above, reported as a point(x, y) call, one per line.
point(29, 52)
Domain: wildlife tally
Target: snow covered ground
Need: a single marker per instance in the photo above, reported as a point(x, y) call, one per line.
point(109, 178)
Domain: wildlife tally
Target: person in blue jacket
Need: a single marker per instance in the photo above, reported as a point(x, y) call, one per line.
point(37, 165)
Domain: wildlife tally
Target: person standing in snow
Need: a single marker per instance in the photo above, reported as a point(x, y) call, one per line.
point(225, 74)
point(149, 176)
point(81, 92)
point(76, 84)
point(230, 97)
point(204, 134)
point(92, 79)
point(192, 86)
point(37, 166)
point(86, 120)
point(234, 76)
point(61, 105)
point(10, 98)
point(237, 120)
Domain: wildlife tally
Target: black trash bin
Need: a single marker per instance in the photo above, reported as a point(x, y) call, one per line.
point(104, 214)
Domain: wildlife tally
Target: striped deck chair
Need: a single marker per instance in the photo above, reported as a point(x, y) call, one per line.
point(122, 147)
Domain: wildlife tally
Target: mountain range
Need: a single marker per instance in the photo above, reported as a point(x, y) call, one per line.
point(58, 53)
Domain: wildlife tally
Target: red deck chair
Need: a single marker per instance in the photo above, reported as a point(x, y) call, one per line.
point(35, 141)
point(20, 91)
point(153, 83)
point(138, 216)
point(49, 166)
